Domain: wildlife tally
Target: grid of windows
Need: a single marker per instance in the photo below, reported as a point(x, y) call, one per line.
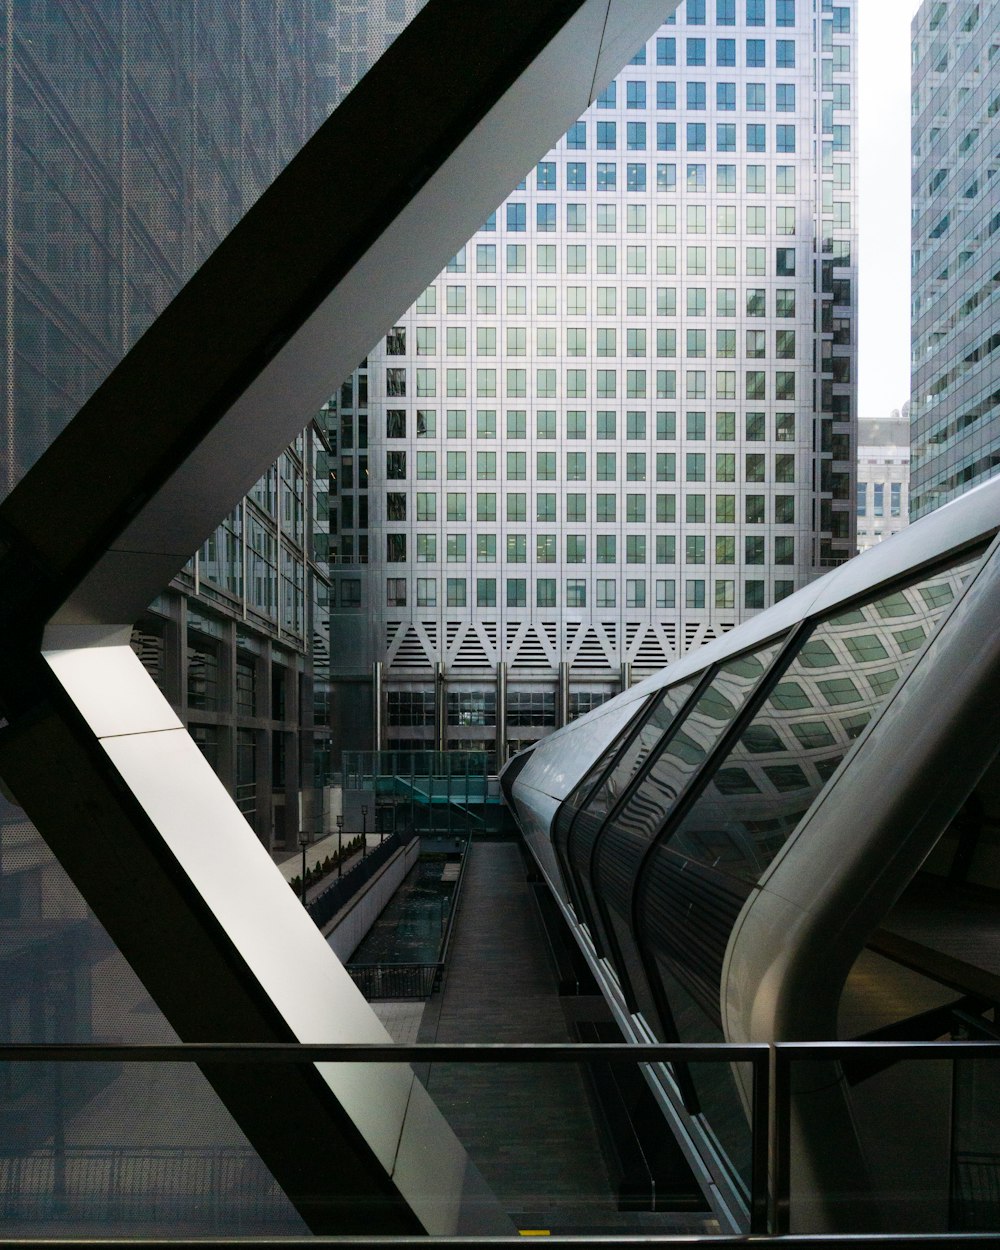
point(472, 707)
point(618, 388)
point(410, 708)
point(955, 431)
point(531, 708)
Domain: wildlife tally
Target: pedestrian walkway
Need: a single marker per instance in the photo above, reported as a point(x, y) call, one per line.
point(528, 1128)
point(401, 1020)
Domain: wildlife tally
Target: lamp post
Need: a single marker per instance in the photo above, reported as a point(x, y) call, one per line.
point(364, 830)
point(340, 845)
point(303, 843)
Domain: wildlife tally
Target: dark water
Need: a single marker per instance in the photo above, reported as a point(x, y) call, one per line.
point(411, 927)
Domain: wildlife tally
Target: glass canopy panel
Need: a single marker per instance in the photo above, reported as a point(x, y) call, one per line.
point(695, 885)
point(566, 821)
point(627, 834)
point(838, 680)
point(651, 733)
point(644, 810)
point(627, 761)
point(569, 810)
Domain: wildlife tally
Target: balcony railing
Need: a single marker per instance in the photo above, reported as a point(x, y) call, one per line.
point(23, 1181)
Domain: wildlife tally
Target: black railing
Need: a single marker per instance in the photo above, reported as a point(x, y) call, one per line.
point(386, 981)
point(770, 1112)
point(975, 1187)
point(456, 895)
point(229, 1188)
point(383, 981)
point(339, 893)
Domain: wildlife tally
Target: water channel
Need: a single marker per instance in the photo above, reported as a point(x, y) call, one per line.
point(412, 925)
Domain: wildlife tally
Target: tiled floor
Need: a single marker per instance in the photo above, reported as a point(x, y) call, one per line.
point(402, 1020)
point(528, 1128)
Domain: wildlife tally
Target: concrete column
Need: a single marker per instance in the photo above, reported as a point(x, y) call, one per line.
point(227, 701)
point(626, 675)
point(501, 735)
point(297, 796)
point(265, 731)
point(562, 695)
point(440, 707)
point(378, 728)
point(175, 652)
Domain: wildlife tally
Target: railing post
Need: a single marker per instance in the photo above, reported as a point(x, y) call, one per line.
point(779, 1143)
point(760, 1141)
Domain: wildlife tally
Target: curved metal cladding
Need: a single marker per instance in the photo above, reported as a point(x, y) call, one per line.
point(551, 774)
point(729, 833)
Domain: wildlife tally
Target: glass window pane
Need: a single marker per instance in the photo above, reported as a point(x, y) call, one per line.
point(597, 793)
point(644, 812)
point(838, 680)
point(626, 837)
point(637, 751)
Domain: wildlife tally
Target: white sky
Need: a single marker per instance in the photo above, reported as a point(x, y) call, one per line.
point(884, 187)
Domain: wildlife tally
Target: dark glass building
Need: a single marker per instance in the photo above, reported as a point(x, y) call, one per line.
point(955, 386)
point(136, 135)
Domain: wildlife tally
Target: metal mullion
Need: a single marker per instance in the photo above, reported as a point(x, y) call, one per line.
point(685, 800)
point(625, 738)
point(760, 1142)
point(631, 1001)
point(779, 1138)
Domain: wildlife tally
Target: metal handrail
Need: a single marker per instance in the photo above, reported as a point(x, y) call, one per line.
point(389, 1052)
point(642, 1241)
point(395, 980)
point(453, 905)
point(770, 1114)
point(211, 1053)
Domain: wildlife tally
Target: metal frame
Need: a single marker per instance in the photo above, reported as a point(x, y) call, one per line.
point(402, 173)
point(815, 906)
point(773, 1066)
point(212, 1056)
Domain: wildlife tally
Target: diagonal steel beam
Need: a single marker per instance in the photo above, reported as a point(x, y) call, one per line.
point(466, 99)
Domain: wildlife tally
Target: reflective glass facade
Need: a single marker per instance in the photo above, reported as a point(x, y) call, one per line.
point(136, 135)
point(955, 389)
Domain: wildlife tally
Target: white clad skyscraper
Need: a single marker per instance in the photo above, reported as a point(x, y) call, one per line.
point(623, 417)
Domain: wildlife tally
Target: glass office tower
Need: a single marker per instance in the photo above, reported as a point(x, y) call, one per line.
point(622, 419)
point(136, 136)
point(955, 404)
